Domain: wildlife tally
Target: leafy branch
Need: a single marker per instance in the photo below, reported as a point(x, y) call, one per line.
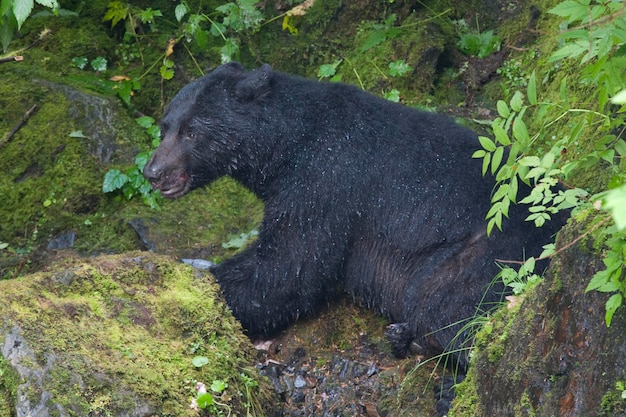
point(514, 157)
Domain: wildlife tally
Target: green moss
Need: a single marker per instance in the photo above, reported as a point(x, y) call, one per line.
point(467, 402)
point(612, 402)
point(9, 380)
point(123, 327)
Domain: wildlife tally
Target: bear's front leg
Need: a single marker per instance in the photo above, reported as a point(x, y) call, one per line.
point(286, 274)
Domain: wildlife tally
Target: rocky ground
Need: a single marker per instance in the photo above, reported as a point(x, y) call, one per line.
point(338, 364)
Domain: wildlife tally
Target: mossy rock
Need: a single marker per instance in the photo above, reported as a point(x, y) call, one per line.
point(555, 356)
point(115, 336)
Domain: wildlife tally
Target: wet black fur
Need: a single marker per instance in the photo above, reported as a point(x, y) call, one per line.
point(361, 195)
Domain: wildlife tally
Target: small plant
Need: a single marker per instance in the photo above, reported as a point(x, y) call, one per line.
point(216, 398)
point(399, 68)
point(380, 32)
point(473, 42)
point(513, 76)
point(13, 13)
point(478, 44)
point(330, 71)
point(237, 18)
point(132, 182)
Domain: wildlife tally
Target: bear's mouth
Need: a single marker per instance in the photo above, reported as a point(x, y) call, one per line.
point(174, 192)
point(173, 187)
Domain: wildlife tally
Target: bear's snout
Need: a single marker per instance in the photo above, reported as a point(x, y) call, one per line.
point(172, 183)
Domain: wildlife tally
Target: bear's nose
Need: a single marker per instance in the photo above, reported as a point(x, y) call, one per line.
point(152, 171)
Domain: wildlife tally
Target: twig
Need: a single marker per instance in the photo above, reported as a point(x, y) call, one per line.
point(11, 59)
point(18, 126)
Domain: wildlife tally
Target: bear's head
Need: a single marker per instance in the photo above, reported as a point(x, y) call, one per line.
point(208, 130)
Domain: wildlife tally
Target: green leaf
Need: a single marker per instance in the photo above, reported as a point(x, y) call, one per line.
point(530, 161)
point(528, 267)
point(99, 64)
point(501, 191)
point(52, 4)
point(201, 38)
point(486, 161)
point(496, 159)
point(5, 6)
point(570, 50)
point(535, 172)
point(393, 95)
point(116, 11)
point(487, 143)
point(612, 304)
point(374, 39)
point(145, 121)
point(328, 70)
point(114, 180)
point(80, 61)
point(520, 132)
point(199, 361)
point(399, 68)
point(513, 187)
point(570, 9)
point(167, 71)
point(615, 201)
point(230, 50)
point(479, 154)
point(77, 134)
point(598, 280)
point(180, 11)
point(204, 400)
point(619, 98)
point(532, 90)
point(503, 109)
point(21, 10)
point(620, 147)
point(218, 386)
point(517, 101)
point(501, 136)
point(142, 159)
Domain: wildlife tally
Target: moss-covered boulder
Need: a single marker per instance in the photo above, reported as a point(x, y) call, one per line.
point(554, 356)
point(116, 335)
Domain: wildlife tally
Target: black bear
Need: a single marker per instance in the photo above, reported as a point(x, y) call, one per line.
point(361, 195)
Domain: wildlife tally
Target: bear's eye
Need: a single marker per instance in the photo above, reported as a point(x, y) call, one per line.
point(191, 135)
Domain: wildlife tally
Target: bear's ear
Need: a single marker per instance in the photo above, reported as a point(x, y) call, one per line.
point(231, 67)
point(255, 85)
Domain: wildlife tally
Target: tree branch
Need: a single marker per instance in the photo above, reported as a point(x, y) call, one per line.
point(11, 59)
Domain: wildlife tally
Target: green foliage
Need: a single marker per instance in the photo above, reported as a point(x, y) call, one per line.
point(480, 45)
point(132, 182)
point(13, 13)
point(613, 402)
point(381, 32)
point(206, 399)
point(513, 76)
point(476, 43)
point(560, 127)
point(329, 71)
point(228, 22)
point(399, 68)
